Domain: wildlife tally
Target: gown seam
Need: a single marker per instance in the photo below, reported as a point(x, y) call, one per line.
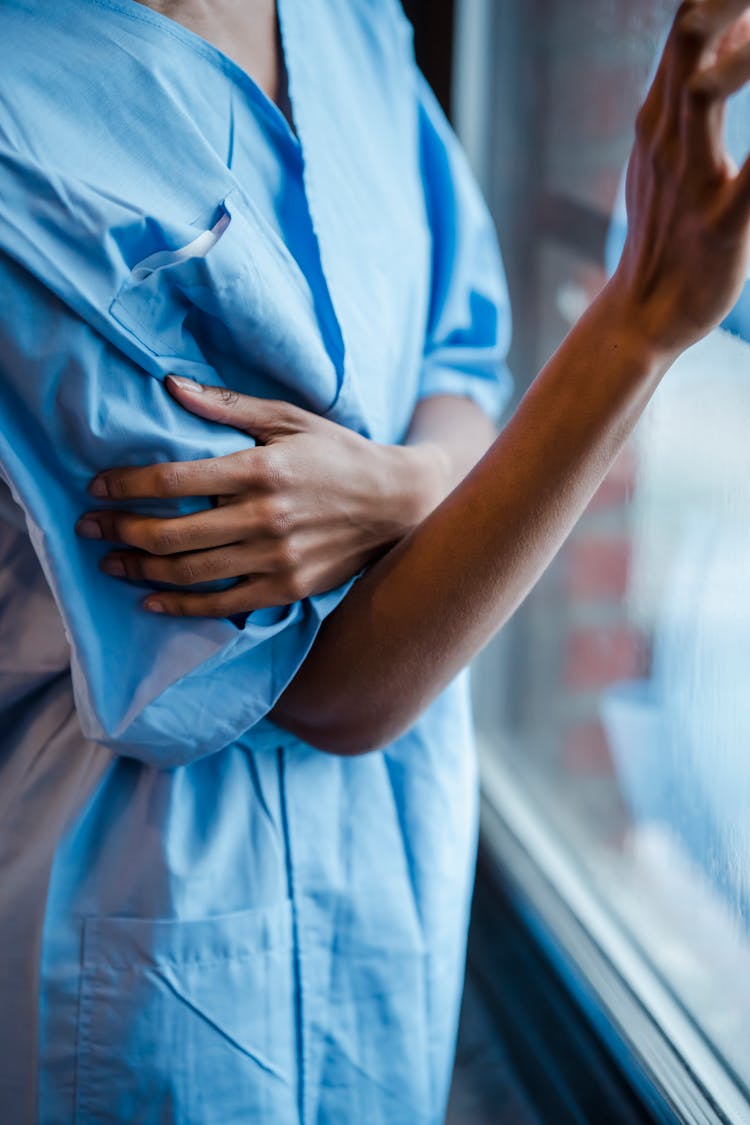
point(296, 951)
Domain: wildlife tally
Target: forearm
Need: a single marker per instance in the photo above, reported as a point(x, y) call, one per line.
point(300, 522)
point(423, 611)
point(449, 434)
point(430, 604)
point(446, 437)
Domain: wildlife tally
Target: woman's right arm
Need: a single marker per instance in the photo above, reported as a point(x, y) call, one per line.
point(427, 608)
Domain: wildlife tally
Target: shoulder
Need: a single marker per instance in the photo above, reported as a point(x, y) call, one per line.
point(386, 15)
point(45, 64)
point(381, 27)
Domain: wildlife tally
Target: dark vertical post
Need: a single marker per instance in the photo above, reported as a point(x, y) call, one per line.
point(433, 42)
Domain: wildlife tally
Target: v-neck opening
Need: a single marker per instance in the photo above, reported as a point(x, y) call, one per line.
point(278, 125)
point(142, 13)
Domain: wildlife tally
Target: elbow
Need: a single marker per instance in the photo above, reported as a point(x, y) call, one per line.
point(350, 743)
point(345, 724)
point(344, 736)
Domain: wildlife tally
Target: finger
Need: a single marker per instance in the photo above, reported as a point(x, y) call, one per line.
point(262, 418)
point(214, 528)
point(738, 209)
point(222, 603)
point(236, 472)
point(244, 597)
point(704, 107)
point(724, 78)
point(211, 565)
point(254, 592)
point(737, 36)
point(697, 31)
point(178, 570)
point(703, 116)
point(709, 21)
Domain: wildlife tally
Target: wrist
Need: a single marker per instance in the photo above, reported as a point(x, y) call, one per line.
point(420, 475)
point(638, 325)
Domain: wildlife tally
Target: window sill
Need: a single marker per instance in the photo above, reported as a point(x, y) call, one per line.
point(655, 1044)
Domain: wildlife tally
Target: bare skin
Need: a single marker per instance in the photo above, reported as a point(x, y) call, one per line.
point(426, 608)
point(299, 514)
point(245, 30)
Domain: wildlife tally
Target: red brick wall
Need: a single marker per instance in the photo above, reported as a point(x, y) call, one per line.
point(590, 60)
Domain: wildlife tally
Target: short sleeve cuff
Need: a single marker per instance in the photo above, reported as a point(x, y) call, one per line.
point(491, 394)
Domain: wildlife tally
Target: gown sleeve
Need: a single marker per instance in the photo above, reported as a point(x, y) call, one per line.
point(469, 320)
point(165, 691)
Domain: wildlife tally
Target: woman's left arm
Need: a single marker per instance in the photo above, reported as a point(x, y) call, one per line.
point(302, 512)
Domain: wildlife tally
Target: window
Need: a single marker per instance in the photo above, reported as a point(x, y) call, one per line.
point(614, 710)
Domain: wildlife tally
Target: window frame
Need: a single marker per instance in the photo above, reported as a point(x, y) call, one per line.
point(675, 1071)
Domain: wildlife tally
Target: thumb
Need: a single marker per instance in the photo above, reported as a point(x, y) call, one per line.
point(261, 418)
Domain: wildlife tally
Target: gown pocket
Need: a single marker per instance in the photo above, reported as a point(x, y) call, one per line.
point(189, 1022)
point(234, 289)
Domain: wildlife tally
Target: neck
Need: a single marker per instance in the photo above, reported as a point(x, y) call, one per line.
point(245, 30)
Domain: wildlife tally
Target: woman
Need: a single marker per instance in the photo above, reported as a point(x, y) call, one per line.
point(213, 919)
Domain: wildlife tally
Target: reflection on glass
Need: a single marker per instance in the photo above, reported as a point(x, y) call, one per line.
point(627, 709)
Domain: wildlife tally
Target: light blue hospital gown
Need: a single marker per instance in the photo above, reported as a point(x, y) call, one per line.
point(203, 919)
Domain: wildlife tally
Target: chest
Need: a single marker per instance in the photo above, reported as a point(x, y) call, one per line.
point(177, 255)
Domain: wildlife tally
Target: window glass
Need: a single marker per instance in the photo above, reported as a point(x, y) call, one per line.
point(620, 693)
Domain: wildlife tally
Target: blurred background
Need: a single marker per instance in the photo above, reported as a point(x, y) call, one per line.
point(614, 710)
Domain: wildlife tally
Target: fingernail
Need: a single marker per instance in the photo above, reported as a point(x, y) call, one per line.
point(189, 385)
point(98, 487)
point(115, 567)
point(89, 529)
point(154, 606)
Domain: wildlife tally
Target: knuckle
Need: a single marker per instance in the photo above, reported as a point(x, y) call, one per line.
point(172, 604)
point(118, 486)
point(168, 480)
point(110, 527)
point(160, 540)
point(187, 605)
point(702, 89)
point(134, 566)
point(250, 462)
point(214, 606)
point(258, 466)
point(292, 588)
point(291, 415)
point(276, 468)
point(268, 467)
point(287, 559)
point(276, 518)
point(690, 22)
point(187, 571)
point(124, 530)
point(228, 397)
point(282, 411)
